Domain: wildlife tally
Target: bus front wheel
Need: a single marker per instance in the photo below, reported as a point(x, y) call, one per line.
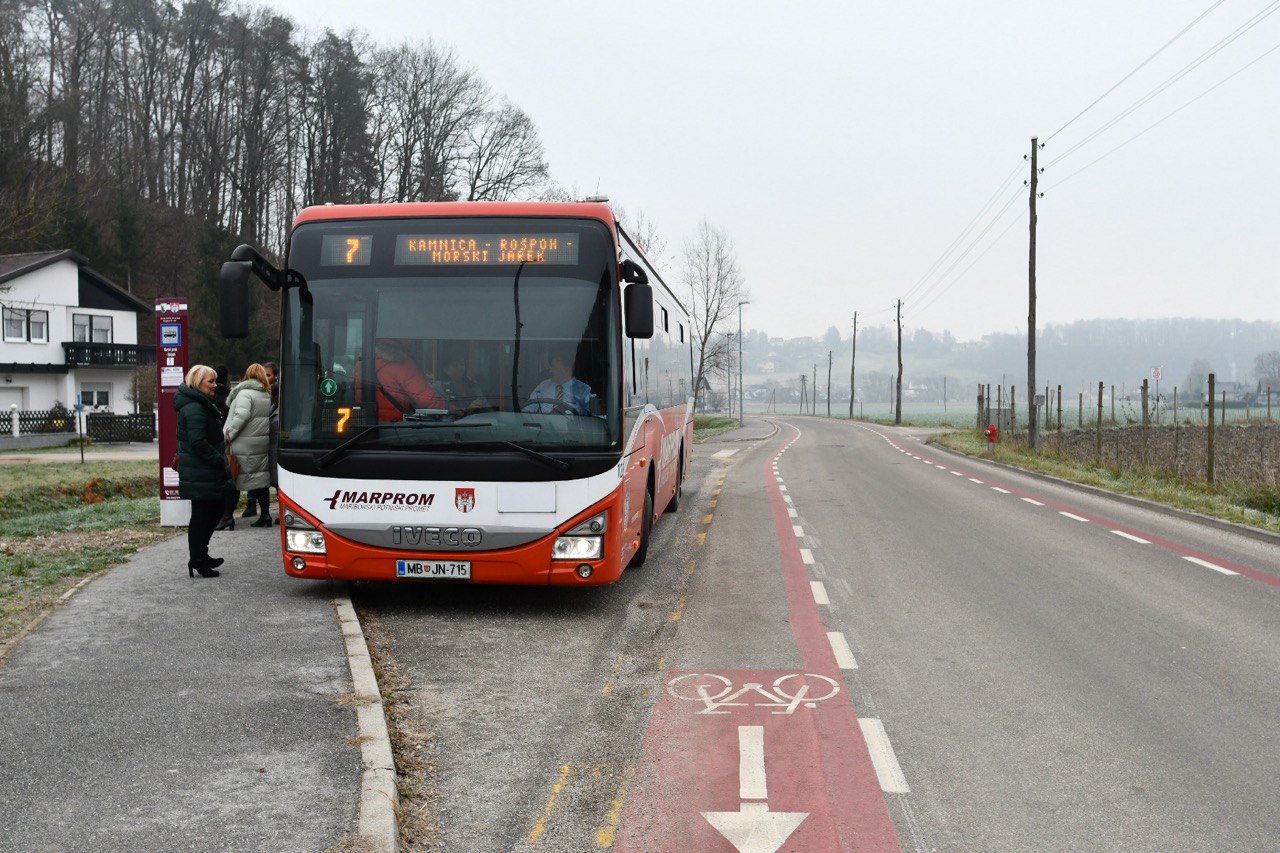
point(646, 529)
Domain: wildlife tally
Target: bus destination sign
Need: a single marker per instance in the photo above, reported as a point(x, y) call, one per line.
point(485, 249)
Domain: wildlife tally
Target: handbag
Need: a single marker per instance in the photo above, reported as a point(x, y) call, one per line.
point(234, 464)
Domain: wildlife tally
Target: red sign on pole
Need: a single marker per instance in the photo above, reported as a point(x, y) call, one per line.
point(171, 370)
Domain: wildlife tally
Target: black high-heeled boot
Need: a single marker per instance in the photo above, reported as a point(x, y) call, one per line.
point(250, 511)
point(264, 521)
point(227, 522)
point(202, 568)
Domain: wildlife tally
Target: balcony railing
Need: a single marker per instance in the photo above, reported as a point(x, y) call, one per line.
point(80, 354)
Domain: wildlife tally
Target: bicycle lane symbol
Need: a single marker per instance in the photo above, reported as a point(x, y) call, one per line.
point(717, 694)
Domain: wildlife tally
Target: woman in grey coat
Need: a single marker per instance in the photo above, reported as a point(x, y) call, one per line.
point(248, 429)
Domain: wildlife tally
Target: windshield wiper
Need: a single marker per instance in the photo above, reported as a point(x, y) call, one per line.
point(559, 464)
point(341, 449)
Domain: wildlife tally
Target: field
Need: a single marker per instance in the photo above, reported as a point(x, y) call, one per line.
point(63, 521)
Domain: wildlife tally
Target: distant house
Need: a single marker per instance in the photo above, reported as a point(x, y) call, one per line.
point(66, 330)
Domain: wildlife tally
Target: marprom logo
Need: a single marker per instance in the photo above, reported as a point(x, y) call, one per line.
point(170, 307)
point(412, 501)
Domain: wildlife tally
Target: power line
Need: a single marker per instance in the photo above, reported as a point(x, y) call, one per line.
point(964, 232)
point(1140, 66)
point(1170, 115)
point(929, 303)
point(973, 243)
point(1184, 71)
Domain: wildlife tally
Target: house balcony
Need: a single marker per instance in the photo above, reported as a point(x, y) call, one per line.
point(80, 354)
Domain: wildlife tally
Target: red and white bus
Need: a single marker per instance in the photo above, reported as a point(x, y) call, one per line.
point(428, 427)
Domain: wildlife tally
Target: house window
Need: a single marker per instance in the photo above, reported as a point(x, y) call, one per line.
point(38, 327)
point(95, 394)
point(21, 324)
point(91, 328)
point(15, 325)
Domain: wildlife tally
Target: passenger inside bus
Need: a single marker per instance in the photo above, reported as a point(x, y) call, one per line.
point(561, 392)
point(462, 391)
point(402, 386)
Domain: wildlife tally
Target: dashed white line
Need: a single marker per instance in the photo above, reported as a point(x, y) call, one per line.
point(1131, 537)
point(1073, 516)
point(799, 531)
point(888, 771)
point(1032, 501)
point(957, 473)
point(1209, 565)
point(840, 647)
point(819, 592)
point(806, 555)
point(1000, 490)
point(791, 511)
point(726, 453)
point(976, 480)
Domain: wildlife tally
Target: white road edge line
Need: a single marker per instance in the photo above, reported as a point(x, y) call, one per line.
point(807, 556)
point(882, 757)
point(840, 647)
point(378, 796)
point(820, 593)
point(1073, 516)
point(1131, 537)
point(1209, 565)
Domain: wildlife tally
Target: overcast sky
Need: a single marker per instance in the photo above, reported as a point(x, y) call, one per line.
point(845, 146)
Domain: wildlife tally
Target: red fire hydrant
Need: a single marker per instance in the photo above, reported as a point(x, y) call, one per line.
point(993, 435)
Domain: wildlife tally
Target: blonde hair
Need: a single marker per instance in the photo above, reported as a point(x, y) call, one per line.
point(198, 374)
point(258, 372)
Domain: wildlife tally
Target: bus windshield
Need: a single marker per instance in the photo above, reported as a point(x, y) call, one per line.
point(470, 333)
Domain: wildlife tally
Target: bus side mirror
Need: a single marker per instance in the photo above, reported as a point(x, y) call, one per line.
point(637, 302)
point(233, 298)
point(633, 272)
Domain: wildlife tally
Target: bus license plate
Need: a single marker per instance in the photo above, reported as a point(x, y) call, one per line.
point(446, 569)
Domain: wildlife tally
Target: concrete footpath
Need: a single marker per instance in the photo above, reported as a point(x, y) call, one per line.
point(156, 712)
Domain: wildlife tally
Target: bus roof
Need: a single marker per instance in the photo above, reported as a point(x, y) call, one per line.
point(581, 209)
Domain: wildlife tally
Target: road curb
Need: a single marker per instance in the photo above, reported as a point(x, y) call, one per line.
point(1144, 503)
point(378, 798)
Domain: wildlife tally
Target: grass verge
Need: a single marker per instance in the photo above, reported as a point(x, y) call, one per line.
point(706, 426)
point(62, 522)
point(1252, 505)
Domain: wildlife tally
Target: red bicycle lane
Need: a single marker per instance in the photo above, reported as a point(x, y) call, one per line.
point(760, 760)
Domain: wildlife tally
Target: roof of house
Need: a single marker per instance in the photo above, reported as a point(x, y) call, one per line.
point(96, 290)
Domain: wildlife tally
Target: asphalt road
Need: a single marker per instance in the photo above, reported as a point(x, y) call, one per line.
point(863, 643)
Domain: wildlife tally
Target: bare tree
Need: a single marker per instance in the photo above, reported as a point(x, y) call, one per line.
point(715, 289)
point(504, 156)
point(645, 232)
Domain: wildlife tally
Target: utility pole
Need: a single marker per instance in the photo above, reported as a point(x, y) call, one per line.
point(1033, 426)
point(897, 414)
point(813, 403)
point(829, 360)
point(853, 362)
point(803, 398)
point(742, 413)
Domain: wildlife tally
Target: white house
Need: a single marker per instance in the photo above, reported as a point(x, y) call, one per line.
point(66, 330)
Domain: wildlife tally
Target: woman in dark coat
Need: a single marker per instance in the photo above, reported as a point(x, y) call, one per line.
point(203, 475)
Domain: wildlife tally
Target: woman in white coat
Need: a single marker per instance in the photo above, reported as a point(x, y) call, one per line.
point(248, 431)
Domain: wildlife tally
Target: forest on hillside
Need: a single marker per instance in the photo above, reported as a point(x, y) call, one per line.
point(153, 137)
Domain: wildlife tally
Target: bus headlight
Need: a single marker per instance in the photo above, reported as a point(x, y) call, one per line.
point(578, 548)
point(305, 541)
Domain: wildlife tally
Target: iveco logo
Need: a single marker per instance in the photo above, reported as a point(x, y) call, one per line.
point(457, 537)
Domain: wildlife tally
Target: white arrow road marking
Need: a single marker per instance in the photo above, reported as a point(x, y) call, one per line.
point(751, 783)
point(753, 828)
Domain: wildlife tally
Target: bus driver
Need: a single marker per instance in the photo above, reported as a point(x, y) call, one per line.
point(562, 392)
